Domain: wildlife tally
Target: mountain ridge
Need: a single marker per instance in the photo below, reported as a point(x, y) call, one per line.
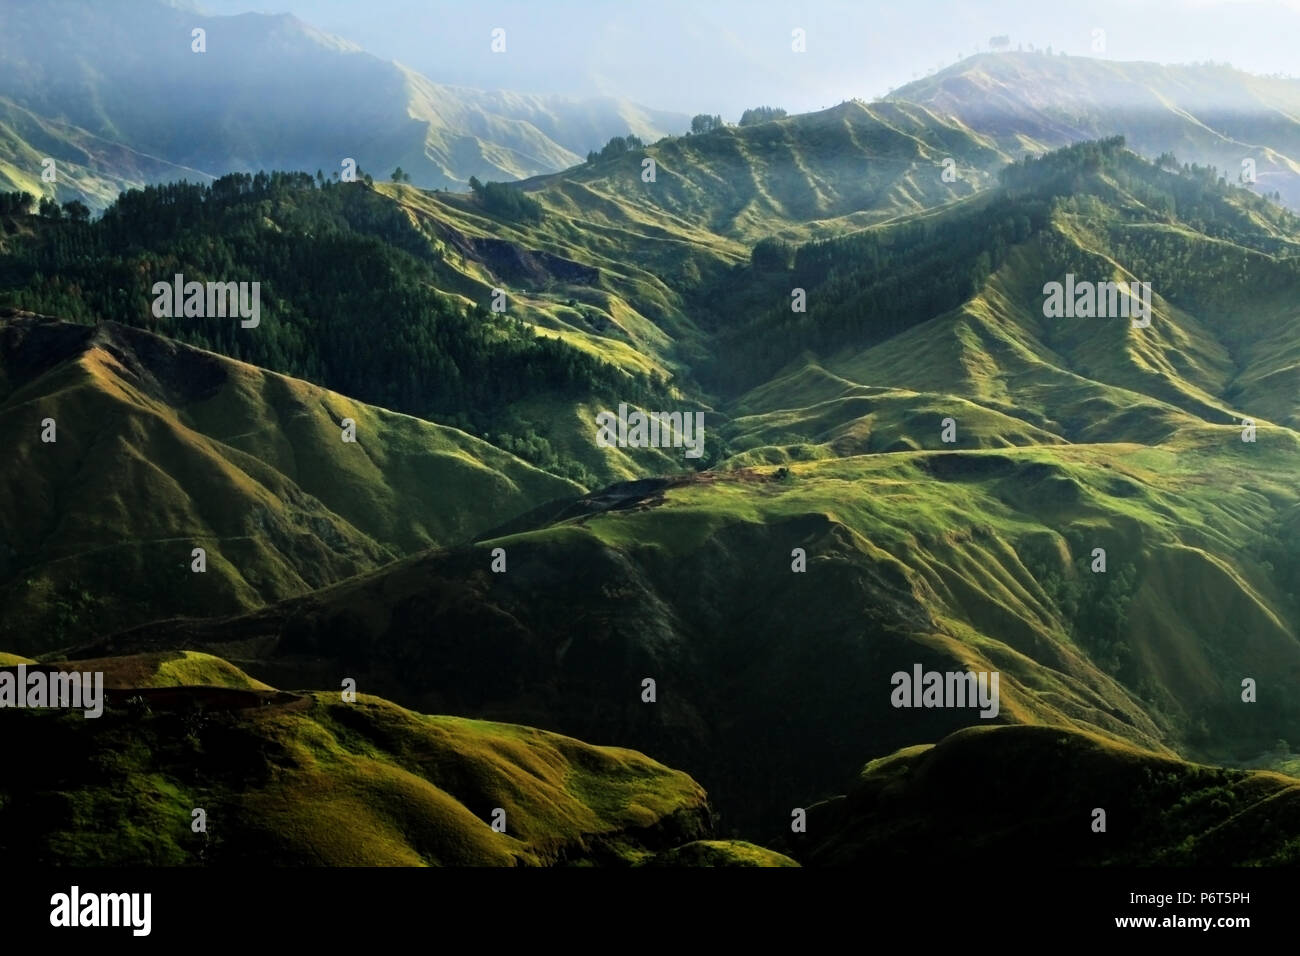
point(244, 103)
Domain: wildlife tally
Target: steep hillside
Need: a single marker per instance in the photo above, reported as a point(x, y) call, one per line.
point(160, 448)
point(924, 469)
point(806, 175)
point(360, 295)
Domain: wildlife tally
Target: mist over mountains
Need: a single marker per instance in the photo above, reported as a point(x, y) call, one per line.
point(272, 92)
point(1208, 114)
point(131, 103)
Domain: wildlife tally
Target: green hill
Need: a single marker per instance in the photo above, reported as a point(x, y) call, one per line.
point(953, 301)
point(812, 174)
point(162, 448)
point(355, 294)
point(87, 167)
point(977, 560)
point(307, 779)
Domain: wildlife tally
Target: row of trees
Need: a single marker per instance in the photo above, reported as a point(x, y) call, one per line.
point(701, 123)
point(704, 123)
point(16, 203)
point(761, 114)
point(20, 204)
point(616, 147)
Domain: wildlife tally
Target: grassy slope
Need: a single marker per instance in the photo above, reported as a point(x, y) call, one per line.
point(935, 556)
point(943, 558)
point(713, 198)
point(803, 176)
point(977, 538)
point(631, 313)
point(162, 448)
point(308, 779)
point(1221, 346)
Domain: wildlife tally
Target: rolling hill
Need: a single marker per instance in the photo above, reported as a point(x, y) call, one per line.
point(980, 552)
point(366, 297)
point(958, 560)
point(806, 175)
point(161, 448)
point(308, 779)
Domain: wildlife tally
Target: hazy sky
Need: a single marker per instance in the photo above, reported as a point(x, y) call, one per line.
point(720, 56)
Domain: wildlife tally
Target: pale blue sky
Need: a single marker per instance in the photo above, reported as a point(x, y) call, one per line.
point(720, 56)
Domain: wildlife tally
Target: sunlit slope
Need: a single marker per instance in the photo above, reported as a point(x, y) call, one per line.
point(844, 419)
point(862, 161)
point(955, 560)
point(384, 302)
point(161, 448)
point(1202, 360)
point(308, 779)
point(158, 670)
point(1221, 342)
point(1031, 795)
point(613, 291)
point(906, 307)
point(726, 853)
point(611, 261)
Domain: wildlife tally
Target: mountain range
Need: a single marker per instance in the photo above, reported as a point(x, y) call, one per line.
point(910, 461)
point(126, 76)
